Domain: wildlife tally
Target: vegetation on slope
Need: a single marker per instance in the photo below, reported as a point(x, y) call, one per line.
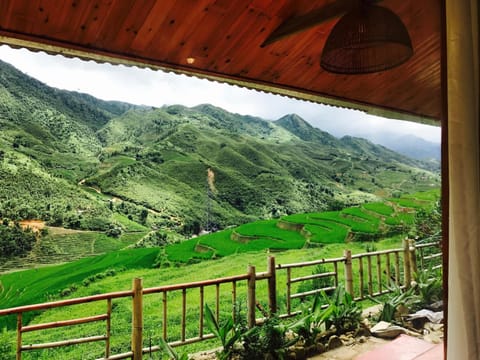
point(366, 222)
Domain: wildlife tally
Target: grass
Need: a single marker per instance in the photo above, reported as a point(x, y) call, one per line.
point(327, 233)
point(64, 245)
point(104, 244)
point(209, 269)
point(128, 224)
point(379, 208)
point(43, 284)
point(355, 223)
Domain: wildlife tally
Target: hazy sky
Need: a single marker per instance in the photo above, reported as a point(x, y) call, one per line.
point(157, 88)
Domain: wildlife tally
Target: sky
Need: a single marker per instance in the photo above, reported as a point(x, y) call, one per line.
point(157, 88)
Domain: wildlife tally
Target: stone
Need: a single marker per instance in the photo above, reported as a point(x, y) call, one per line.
point(433, 338)
point(291, 355)
point(299, 353)
point(320, 348)
point(436, 306)
point(362, 339)
point(362, 331)
point(334, 342)
point(372, 311)
point(386, 330)
point(311, 350)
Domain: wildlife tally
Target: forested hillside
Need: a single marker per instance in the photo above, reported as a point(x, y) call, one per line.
point(82, 163)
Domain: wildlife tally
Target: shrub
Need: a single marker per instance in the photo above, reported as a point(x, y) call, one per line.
point(7, 350)
point(266, 341)
point(317, 283)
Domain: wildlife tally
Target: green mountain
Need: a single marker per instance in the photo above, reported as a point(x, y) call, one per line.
point(80, 162)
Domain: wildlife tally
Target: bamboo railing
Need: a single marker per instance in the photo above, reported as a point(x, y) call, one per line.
point(374, 272)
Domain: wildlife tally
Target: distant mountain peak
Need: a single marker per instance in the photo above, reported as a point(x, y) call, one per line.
point(293, 120)
point(302, 129)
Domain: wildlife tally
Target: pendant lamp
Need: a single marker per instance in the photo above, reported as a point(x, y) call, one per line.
point(367, 39)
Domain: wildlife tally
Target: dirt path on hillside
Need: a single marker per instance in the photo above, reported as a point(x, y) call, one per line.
point(35, 225)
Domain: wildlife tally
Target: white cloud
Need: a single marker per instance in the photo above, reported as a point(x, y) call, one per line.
point(156, 88)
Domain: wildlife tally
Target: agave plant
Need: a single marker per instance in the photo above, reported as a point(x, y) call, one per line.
point(398, 296)
point(343, 313)
point(227, 332)
point(171, 352)
point(310, 324)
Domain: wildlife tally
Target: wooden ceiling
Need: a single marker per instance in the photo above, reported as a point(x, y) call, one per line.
point(222, 40)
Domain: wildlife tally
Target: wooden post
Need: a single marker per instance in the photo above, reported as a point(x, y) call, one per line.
point(289, 290)
point(234, 301)
point(137, 319)
point(369, 275)
point(360, 276)
point(348, 271)
point(19, 336)
point(251, 301)
point(387, 268)
point(109, 327)
point(407, 275)
point(413, 257)
point(201, 305)
point(397, 269)
point(183, 322)
point(272, 285)
point(379, 273)
point(165, 315)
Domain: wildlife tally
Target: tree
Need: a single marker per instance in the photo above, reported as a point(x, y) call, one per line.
point(428, 222)
point(143, 216)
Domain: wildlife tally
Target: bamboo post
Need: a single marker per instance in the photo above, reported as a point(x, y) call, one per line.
point(251, 301)
point(397, 269)
point(407, 275)
point(348, 271)
point(137, 319)
point(335, 270)
point(289, 290)
point(369, 275)
point(19, 336)
point(422, 259)
point(217, 302)
point(379, 273)
point(234, 301)
point(165, 316)
point(387, 269)
point(413, 256)
point(183, 322)
point(360, 276)
point(201, 305)
point(272, 285)
point(109, 327)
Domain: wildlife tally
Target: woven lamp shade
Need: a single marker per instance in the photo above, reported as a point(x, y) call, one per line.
point(367, 39)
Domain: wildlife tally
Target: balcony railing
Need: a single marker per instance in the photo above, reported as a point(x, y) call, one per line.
point(374, 272)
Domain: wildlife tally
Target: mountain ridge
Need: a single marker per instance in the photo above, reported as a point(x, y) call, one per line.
point(156, 162)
